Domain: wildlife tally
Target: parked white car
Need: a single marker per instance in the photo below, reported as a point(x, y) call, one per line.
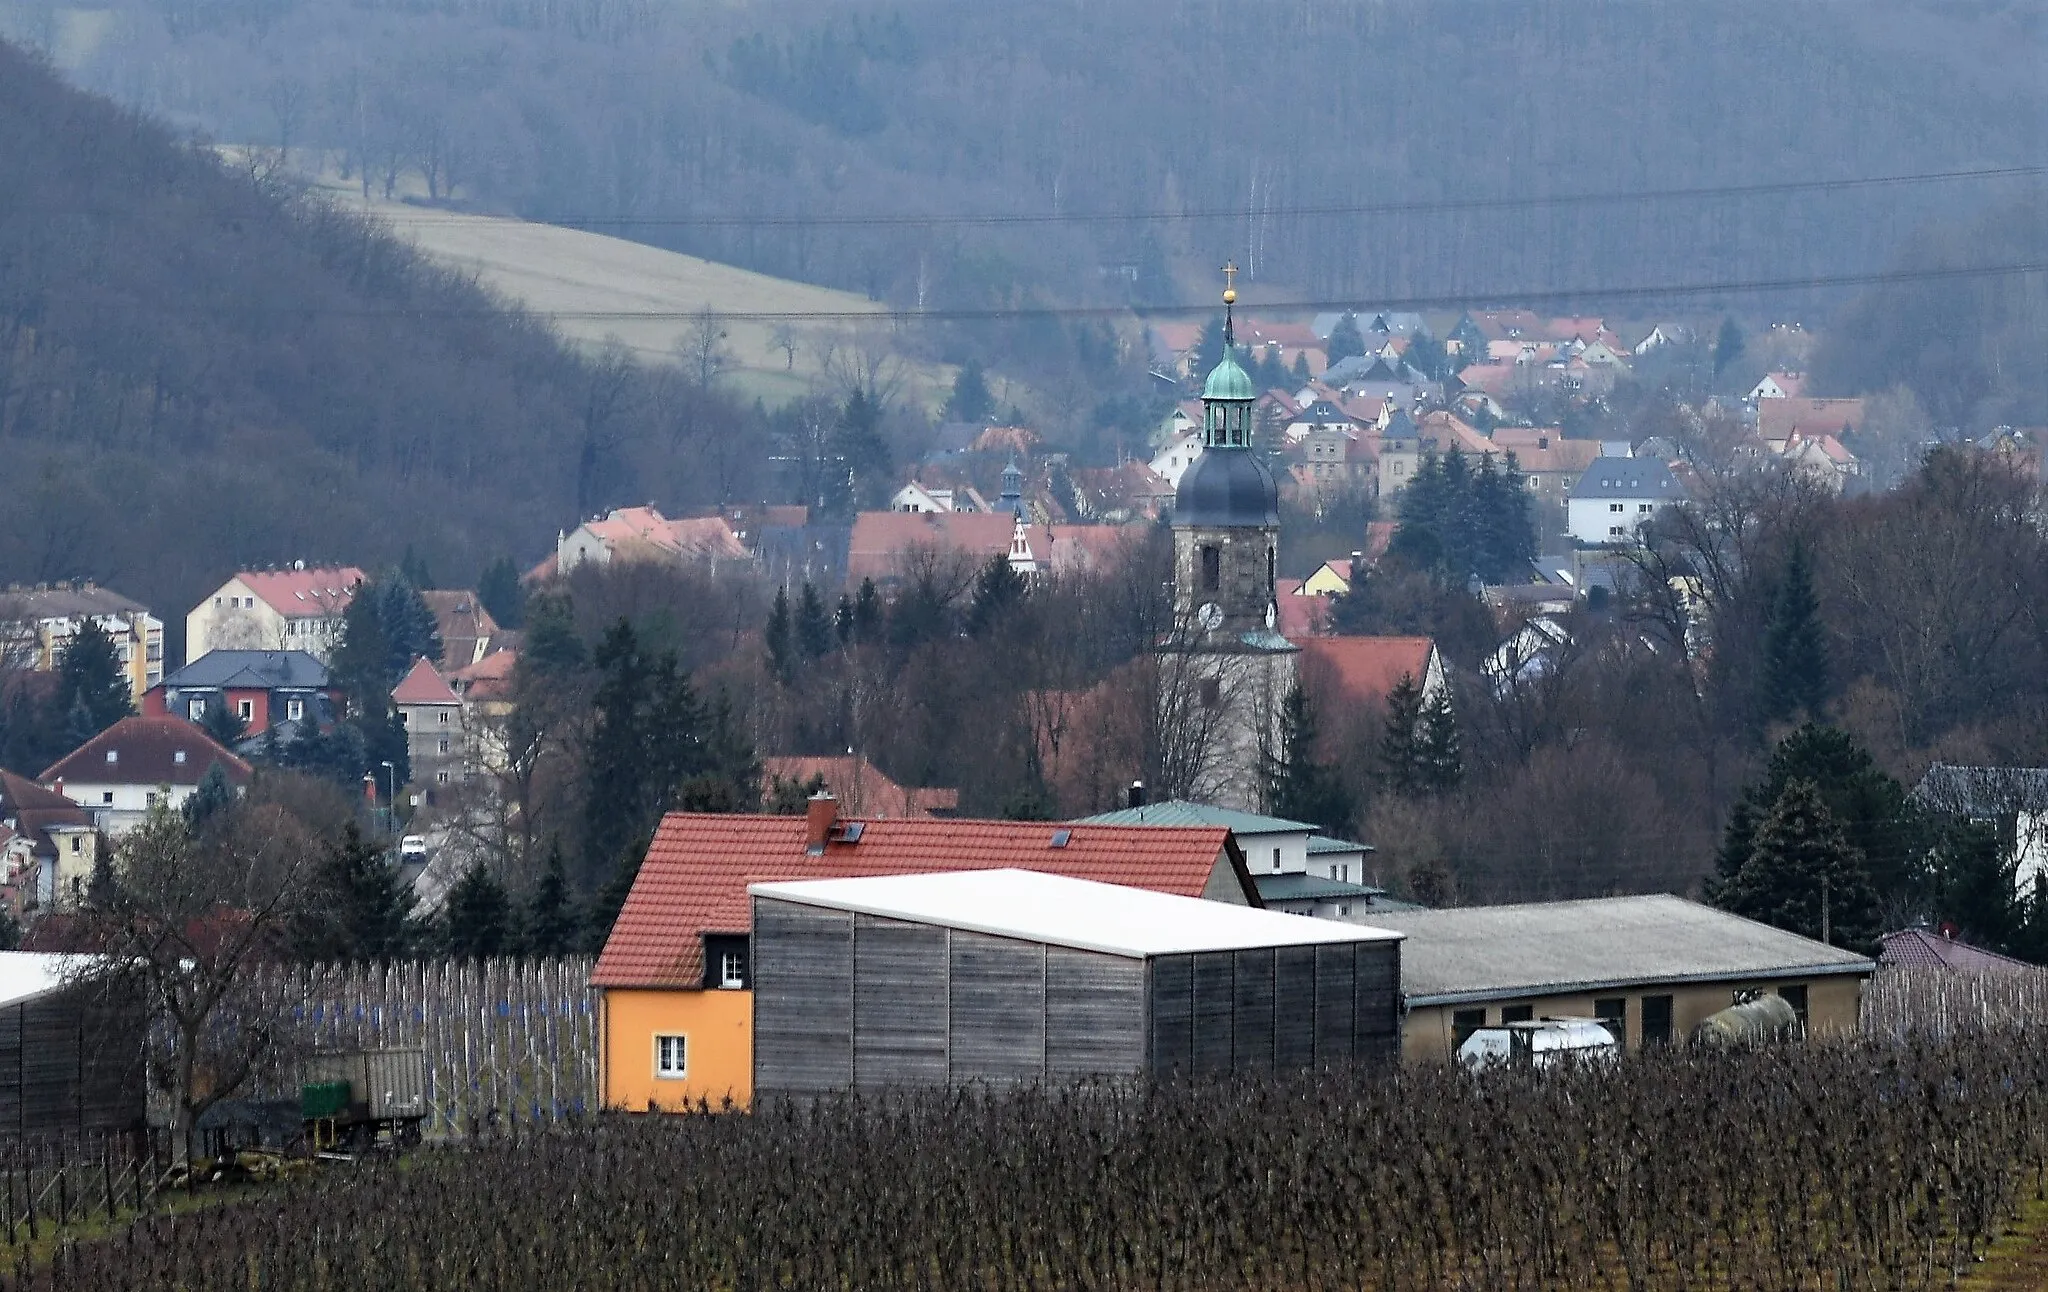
point(412, 850)
point(1541, 1043)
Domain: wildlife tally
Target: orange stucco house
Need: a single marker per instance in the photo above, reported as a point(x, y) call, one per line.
point(675, 1004)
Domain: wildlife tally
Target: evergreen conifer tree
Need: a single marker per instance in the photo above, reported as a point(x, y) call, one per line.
point(476, 921)
point(616, 758)
point(1301, 367)
point(412, 567)
point(90, 678)
point(501, 594)
point(1727, 345)
point(410, 630)
point(211, 797)
point(1869, 806)
point(1439, 757)
point(842, 619)
point(867, 612)
point(858, 443)
point(1802, 875)
point(780, 638)
point(1298, 786)
point(553, 648)
point(1795, 664)
point(223, 724)
point(1346, 341)
point(552, 923)
point(813, 625)
point(997, 589)
point(970, 400)
point(1399, 744)
point(363, 656)
point(368, 914)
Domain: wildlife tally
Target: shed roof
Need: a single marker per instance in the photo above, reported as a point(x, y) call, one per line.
point(694, 880)
point(1545, 948)
point(1068, 912)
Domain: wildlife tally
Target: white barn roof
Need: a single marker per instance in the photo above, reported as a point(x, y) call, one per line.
point(1036, 907)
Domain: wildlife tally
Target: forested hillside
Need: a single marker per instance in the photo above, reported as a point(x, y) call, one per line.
point(200, 370)
point(752, 133)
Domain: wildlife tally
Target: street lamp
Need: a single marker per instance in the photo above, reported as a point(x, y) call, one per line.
point(390, 790)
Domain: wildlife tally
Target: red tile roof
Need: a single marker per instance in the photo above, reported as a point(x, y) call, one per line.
point(423, 686)
point(147, 752)
point(464, 624)
point(1777, 419)
point(694, 880)
point(883, 539)
point(490, 678)
point(1923, 949)
point(1300, 615)
point(860, 786)
point(321, 593)
point(1365, 669)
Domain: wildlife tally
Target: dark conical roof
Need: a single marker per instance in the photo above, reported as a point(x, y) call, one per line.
point(1227, 487)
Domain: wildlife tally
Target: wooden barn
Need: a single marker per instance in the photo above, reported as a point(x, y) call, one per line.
point(1014, 976)
point(70, 1051)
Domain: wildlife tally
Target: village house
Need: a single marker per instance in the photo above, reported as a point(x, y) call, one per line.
point(988, 978)
point(48, 846)
point(298, 608)
point(1650, 968)
point(644, 534)
point(1363, 671)
point(1778, 421)
point(1778, 385)
point(38, 622)
point(436, 743)
point(1406, 442)
point(1615, 497)
point(861, 788)
point(139, 764)
point(1179, 452)
point(466, 628)
point(1120, 495)
point(887, 545)
point(916, 497)
point(676, 978)
point(1550, 465)
point(260, 687)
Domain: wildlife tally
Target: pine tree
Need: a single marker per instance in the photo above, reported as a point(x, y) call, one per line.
point(410, 630)
point(842, 619)
point(211, 797)
point(90, 677)
point(867, 612)
point(997, 589)
point(1802, 875)
point(1346, 341)
point(1439, 758)
point(552, 648)
point(412, 567)
point(970, 401)
point(1795, 665)
point(223, 724)
point(552, 923)
point(1727, 346)
point(789, 797)
point(501, 594)
point(780, 638)
point(1399, 745)
point(1298, 786)
point(1870, 807)
point(363, 656)
point(1301, 367)
point(858, 442)
point(616, 758)
point(476, 921)
point(368, 913)
point(813, 626)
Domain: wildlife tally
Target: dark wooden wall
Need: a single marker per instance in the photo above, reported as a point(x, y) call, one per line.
point(71, 1060)
point(843, 1000)
point(1275, 1007)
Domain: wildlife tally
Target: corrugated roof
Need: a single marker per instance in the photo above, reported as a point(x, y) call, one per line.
point(694, 880)
point(1064, 911)
point(147, 751)
point(1183, 812)
point(1486, 952)
point(1301, 888)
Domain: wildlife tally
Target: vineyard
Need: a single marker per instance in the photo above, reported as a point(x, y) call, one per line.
point(1879, 1164)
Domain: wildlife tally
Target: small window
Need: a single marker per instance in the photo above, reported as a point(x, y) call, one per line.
point(78, 844)
point(1613, 1014)
point(1464, 1022)
point(106, 798)
point(294, 709)
point(149, 799)
point(671, 1057)
point(246, 710)
point(178, 757)
point(1644, 508)
point(113, 756)
point(1212, 568)
point(1614, 506)
point(732, 970)
point(195, 709)
point(1276, 859)
point(404, 718)
point(1656, 1020)
point(444, 744)
point(1517, 1013)
point(440, 778)
point(444, 712)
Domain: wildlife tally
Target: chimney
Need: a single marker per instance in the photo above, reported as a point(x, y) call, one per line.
point(819, 814)
point(1137, 794)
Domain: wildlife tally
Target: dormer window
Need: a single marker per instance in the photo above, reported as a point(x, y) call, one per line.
point(178, 757)
point(113, 756)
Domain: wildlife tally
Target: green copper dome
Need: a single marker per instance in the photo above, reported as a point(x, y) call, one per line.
point(1228, 381)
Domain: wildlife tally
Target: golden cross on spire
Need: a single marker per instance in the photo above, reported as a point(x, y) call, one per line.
point(1229, 282)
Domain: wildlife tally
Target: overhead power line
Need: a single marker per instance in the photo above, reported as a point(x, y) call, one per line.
point(1432, 206)
point(1467, 300)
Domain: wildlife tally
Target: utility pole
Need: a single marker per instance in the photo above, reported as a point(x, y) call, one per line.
point(1826, 926)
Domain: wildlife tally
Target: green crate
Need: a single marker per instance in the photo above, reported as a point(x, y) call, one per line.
point(323, 1098)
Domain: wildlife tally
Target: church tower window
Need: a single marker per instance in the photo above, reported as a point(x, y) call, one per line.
point(1212, 568)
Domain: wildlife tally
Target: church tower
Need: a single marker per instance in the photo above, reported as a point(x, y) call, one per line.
point(1226, 517)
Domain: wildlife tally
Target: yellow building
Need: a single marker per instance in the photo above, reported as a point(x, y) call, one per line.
point(675, 980)
point(1651, 967)
point(37, 623)
point(1331, 579)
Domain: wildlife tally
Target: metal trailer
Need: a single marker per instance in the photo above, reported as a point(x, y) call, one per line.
point(352, 1098)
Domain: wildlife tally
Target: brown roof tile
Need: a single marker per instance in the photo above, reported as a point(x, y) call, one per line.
point(147, 753)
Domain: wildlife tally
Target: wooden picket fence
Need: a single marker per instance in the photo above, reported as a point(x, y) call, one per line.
point(507, 1042)
point(1902, 1001)
point(53, 1182)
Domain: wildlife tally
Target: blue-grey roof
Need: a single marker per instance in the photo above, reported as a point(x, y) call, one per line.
point(1182, 812)
point(254, 669)
point(1311, 888)
point(1628, 478)
point(1321, 843)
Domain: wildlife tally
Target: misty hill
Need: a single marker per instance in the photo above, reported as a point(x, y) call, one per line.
point(650, 117)
point(200, 368)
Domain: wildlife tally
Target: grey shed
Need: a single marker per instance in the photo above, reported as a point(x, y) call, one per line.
point(1011, 976)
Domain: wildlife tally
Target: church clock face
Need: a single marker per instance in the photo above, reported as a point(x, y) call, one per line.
point(1210, 615)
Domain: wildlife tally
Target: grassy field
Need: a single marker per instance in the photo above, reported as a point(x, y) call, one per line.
point(585, 281)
